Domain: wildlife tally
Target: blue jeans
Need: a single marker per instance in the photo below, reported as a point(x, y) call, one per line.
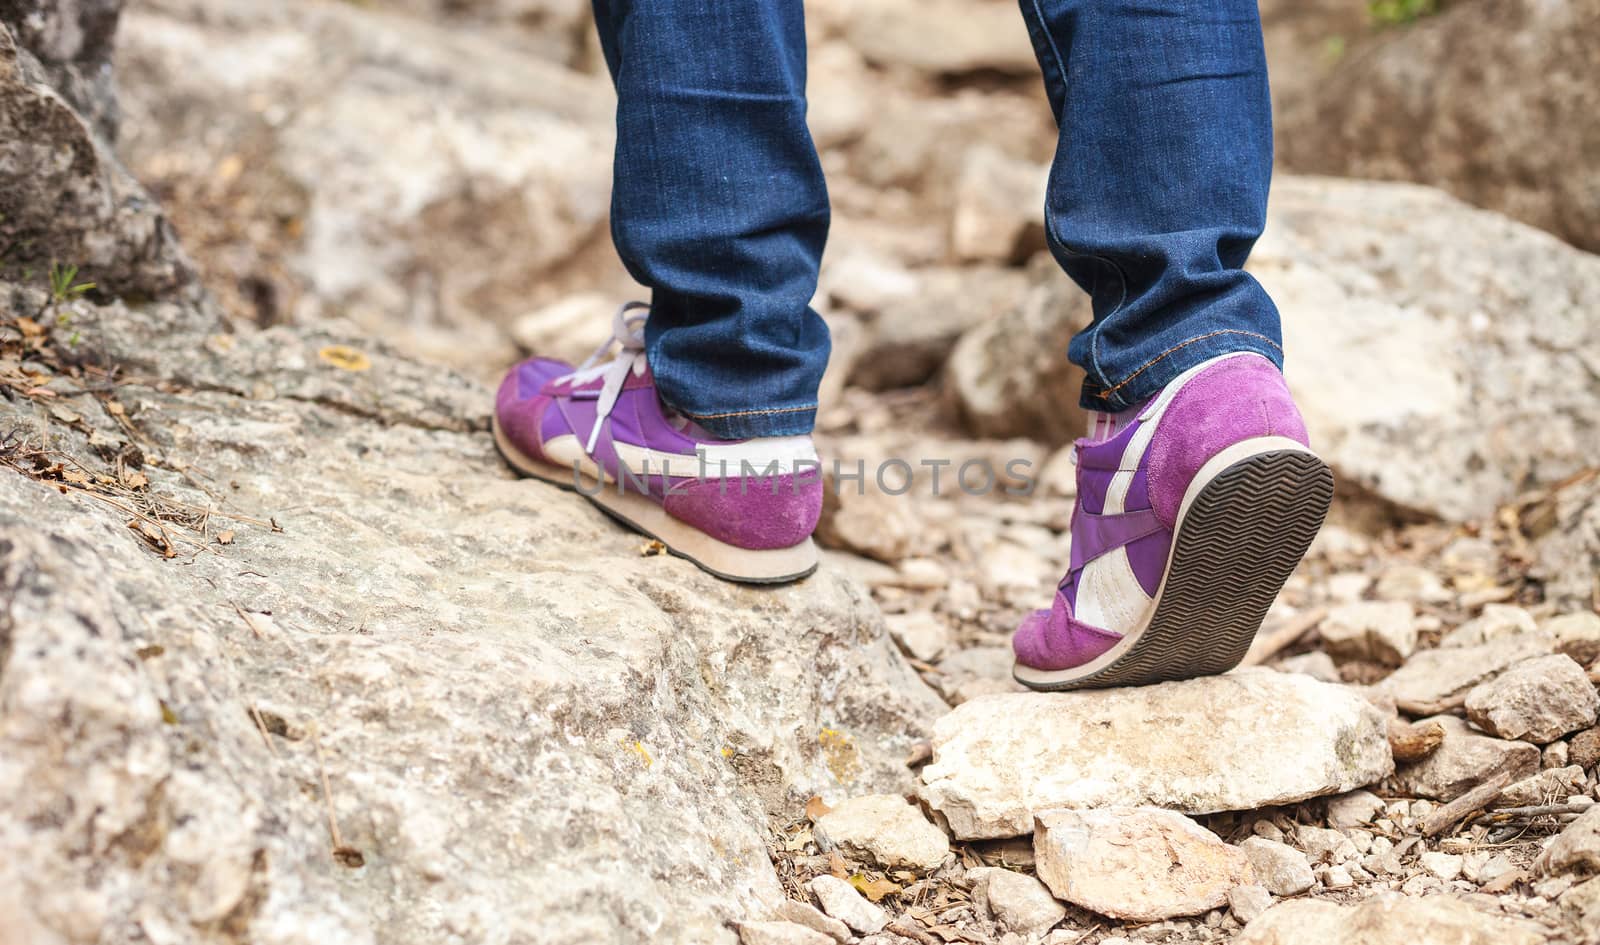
point(1156, 195)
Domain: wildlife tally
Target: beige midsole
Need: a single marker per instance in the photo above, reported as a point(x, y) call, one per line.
point(1213, 468)
point(650, 518)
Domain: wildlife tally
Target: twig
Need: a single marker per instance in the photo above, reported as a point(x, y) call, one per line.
point(1285, 636)
point(327, 794)
point(266, 736)
point(1507, 815)
point(900, 927)
point(1466, 805)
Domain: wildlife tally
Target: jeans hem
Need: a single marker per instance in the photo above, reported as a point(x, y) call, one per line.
point(744, 424)
point(1146, 381)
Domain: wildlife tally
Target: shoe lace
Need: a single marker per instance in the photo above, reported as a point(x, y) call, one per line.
point(627, 332)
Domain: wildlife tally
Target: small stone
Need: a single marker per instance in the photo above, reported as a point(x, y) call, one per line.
point(1355, 809)
point(920, 634)
point(1546, 786)
point(1375, 631)
point(1247, 902)
point(1556, 755)
point(841, 900)
point(1492, 869)
point(1136, 863)
point(1410, 582)
point(923, 574)
point(815, 919)
point(1242, 741)
point(1347, 586)
point(568, 329)
point(1576, 849)
point(857, 517)
point(1443, 866)
point(1496, 621)
point(1335, 877)
point(1583, 749)
point(996, 203)
point(1282, 869)
point(1018, 902)
point(1463, 761)
point(1421, 884)
point(780, 933)
point(1316, 664)
point(885, 829)
point(1577, 635)
point(1430, 680)
point(1323, 845)
point(1583, 903)
point(1263, 827)
point(1537, 700)
point(1387, 920)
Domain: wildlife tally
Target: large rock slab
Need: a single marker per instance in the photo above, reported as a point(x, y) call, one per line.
point(1249, 739)
point(429, 183)
point(1386, 920)
point(1471, 100)
point(529, 729)
point(1370, 277)
point(1136, 863)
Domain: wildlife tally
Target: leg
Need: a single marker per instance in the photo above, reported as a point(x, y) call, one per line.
point(1193, 510)
point(1159, 186)
point(719, 206)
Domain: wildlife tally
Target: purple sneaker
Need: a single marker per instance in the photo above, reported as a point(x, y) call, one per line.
point(743, 510)
point(1188, 523)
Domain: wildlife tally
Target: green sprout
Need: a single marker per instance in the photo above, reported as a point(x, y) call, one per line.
point(1400, 12)
point(64, 285)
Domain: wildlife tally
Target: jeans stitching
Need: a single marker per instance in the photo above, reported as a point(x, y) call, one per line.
point(747, 413)
point(1103, 392)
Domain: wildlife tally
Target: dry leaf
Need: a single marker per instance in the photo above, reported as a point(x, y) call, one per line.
point(65, 414)
point(837, 865)
point(75, 476)
point(874, 889)
point(28, 327)
point(816, 807)
point(345, 358)
point(115, 409)
point(135, 480)
point(652, 548)
point(225, 537)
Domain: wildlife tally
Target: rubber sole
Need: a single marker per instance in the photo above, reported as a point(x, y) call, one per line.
point(642, 515)
point(1239, 537)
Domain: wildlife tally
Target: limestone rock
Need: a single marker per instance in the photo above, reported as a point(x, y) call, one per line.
point(1569, 546)
point(1431, 680)
point(520, 717)
point(1316, 664)
point(1576, 849)
point(780, 933)
point(1584, 748)
point(1496, 621)
point(1136, 863)
point(437, 178)
point(976, 671)
point(859, 516)
point(841, 900)
point(1282, 869)
point(920, 634)
point(1386, 920)
point(815, 919)
point(1247, 902)
point(1577, 635)
point(910, 338)
point(999, 213)
point(885, 829)
point(1007, 376)
point(943, 36)
point(1016, 901)
point(1376, 631)
point(1538, 700)
point(1549, 785)
point(1431, 283)
point(568, 329)
point(1463, 761)
point(1246, 740)
point(1446, 101)
point(1355, 809)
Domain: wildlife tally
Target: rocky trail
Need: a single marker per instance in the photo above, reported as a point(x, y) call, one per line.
point(289, 657)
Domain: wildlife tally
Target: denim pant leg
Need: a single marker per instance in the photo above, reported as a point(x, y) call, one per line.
point(1159, 186)
point(719, 206)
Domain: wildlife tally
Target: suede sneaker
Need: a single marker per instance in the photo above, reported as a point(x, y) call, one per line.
point(1187, 524)
point(743, 510)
